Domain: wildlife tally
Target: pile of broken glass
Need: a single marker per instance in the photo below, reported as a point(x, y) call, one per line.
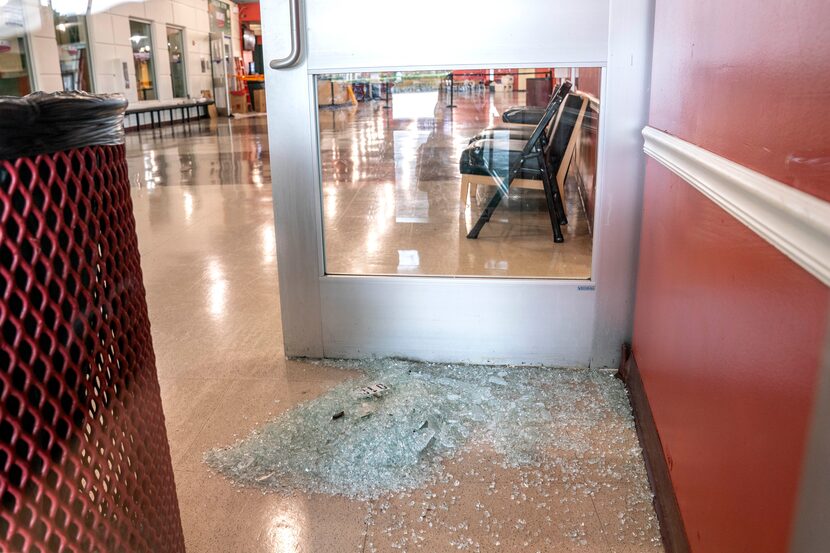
point(391, 428)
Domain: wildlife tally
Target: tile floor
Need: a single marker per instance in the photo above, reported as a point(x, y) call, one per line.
point(391, 189)
point(206, 234)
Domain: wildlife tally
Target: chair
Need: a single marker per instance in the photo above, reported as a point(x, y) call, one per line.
point(507, 136)
point(525, 115)
point(538, 159)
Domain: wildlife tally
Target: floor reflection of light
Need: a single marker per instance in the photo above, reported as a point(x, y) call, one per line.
point(269, 244)
point(188, 205)
point(379, 219)
point(404, 176)
point(150, 169)
point(284, 531)
point(496, 265)
point(372, 242)
point(217, 288)
point(355, 162)
point(408, 260)
point(331, 203)
point(494, 113)
point(148, 178)
point(385, 210)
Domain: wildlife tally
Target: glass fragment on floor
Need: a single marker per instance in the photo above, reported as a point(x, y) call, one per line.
point(392, 428)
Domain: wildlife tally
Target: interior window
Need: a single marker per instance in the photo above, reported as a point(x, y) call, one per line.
point(15, 79)
point(175, 50)
point(474, 172)
point(142, 43)
point(73, 47)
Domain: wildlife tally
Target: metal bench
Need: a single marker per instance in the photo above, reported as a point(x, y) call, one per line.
point(540, 162)
point(183, 106)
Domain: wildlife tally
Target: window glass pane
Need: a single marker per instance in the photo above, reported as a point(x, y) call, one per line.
point(175, 49)
point(73, 48)
point(473, 172)
point(145, 75)
point(14, 62)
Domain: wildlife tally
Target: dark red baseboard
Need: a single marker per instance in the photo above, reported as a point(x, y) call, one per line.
point(672, 530)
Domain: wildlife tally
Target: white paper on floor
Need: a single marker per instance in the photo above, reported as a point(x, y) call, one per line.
point(391, 429)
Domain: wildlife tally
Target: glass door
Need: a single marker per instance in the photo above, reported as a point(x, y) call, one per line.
point(230, 72)
point(73, 47)
point(15, 69)
point(221, 60)
point(175, 51)
point(141, 39)
point(416, 172)
point(435, 193)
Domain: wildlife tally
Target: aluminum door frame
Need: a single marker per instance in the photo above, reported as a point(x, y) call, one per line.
point(223, 100)
point(551, 322)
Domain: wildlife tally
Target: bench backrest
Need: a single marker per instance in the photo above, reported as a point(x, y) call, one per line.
point(551, 110)
point(564, 128)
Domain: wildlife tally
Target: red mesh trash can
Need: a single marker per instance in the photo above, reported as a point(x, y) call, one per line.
point(84, 459)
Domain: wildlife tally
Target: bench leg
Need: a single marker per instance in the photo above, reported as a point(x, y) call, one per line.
point(488, 211)
point(560, 193)
point(554, 204)
point(560, 209)
point(470, 188)
point(556, 210)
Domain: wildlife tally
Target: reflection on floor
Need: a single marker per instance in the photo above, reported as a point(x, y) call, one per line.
point(391, 196)
point(211, 277)
point(223, 151)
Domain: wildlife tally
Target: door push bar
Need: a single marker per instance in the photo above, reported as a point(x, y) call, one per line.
point(293, 56)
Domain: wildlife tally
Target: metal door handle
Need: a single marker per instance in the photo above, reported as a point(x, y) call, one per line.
point(293, 56)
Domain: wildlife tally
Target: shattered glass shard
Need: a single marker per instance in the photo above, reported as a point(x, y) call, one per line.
point(390, 429)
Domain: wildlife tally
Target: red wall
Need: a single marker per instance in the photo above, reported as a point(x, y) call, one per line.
point(750, 81)
point(461, 75)
point(589, 80)
point(728, 331)
point(249, 13)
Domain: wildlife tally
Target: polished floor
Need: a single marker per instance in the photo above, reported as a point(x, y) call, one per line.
point(206, 234)
point(391, 195)
point(390, 189)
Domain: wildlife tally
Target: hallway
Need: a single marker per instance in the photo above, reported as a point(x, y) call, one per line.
point(206, 235)
point(322, 277)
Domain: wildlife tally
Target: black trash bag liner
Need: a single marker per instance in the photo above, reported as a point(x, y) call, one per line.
point(42, 123)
